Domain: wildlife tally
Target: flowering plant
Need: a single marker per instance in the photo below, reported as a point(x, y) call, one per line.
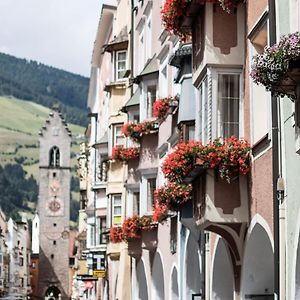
point(116, 234)
point(124, 154)
point(173, 12)
point(136, 130)
point(173, 195)
point(230, 157)
point(160, 212)
point(161, 106)
point(271, 67)
point(132, 226)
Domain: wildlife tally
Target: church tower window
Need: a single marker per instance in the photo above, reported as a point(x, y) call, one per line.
point(54, 157)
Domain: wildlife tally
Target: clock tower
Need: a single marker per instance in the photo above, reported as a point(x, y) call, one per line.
point(54, 207)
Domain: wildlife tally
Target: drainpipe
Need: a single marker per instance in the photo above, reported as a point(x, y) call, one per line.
point(275, 161)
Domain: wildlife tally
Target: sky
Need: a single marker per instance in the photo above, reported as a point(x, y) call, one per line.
point(59, 33)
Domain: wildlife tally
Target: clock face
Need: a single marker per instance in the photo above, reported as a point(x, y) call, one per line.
point(55, 207)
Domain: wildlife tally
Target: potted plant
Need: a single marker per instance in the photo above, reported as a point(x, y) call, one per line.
point(121, 153)
point(278, 67)
point(136, 130)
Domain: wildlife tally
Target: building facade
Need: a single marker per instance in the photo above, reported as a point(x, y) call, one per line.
point(193, 165)
point(54, 207)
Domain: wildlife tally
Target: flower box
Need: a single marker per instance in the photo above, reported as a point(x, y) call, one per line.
point(162, 106)
point(135, 131)
point(177, 15)
point(216, 202)
point(135, 247)
point(149, 238)
point(121, 153)
point(278, 67)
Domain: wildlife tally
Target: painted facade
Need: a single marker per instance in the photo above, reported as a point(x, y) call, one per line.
point(231, 239)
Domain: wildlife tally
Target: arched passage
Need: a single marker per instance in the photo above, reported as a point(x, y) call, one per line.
point(297, 283)
point(258, 268)
point(174, 285)
point(142, 292)
point(192, 268)
point(158, 290)
point(222, 276)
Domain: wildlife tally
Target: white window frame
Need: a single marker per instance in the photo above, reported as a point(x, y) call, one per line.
point(115, 136)
point(113, 206)
point(117, 70)
point(215, 114)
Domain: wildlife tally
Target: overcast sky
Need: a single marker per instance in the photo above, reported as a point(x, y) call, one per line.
point(59, 33)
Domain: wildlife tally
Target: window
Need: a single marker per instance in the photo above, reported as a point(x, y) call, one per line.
point(21, 262)
point(120, 64)
point(118, 138)
point(103, 171)
point(116, 209)
point(103, 236)
point(228, 104)
point(136, 203)
point(188, 132)
point(151, 97)
point(54, 160)
point(151, 186)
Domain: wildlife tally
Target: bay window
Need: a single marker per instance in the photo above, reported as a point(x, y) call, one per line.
point(219, 105)
point(116, 209)
point(228, 105)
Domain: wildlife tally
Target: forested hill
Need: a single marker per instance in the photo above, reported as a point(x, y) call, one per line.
point(30, 80)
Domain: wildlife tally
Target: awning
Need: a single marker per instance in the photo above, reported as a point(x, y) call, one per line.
point(118, 43)
point(180, 54)
point(134, 100)
point(150, 68)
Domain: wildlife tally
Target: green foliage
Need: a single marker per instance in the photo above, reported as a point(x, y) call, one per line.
point(33, 81)
point(74, 208)
point(16, 189)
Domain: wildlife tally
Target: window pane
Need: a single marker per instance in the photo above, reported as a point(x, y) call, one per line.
point(117, 200)
point(117, 220)
point(121, 56)
point(228, 94)
point(117, 210)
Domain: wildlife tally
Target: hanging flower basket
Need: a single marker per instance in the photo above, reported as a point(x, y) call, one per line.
point(230, 157)
point(136, 130)
point(160, 212)
point(173, 13)
point(161, 106)
point(173, 195)
point(121, 153)
point(278, 67)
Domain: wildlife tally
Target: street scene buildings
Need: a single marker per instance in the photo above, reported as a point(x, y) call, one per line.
point(189, 169)
point(188, 177)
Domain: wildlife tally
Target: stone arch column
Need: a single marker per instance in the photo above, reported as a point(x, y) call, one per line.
point(142, 287)
point(297, 276)
point(174, 295)
point(258, 264)
point(222, 273)
point(193, 280)
point(158, 286)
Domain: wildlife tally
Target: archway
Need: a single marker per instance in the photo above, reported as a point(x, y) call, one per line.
point(174, 285)
point(142, 293)
point(158, 290)
point(297, 283)
point(258, 268)
point(222, 276)
point(52, 293)
point(192, 268)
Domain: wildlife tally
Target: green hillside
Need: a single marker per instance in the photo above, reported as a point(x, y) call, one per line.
point(20, 122)
point(45, 85)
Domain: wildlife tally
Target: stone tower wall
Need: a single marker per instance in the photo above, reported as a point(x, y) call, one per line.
point(54, 223)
